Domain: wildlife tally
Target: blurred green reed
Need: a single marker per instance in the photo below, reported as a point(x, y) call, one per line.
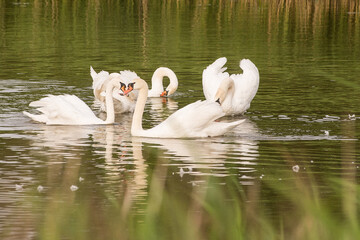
point(212, 210)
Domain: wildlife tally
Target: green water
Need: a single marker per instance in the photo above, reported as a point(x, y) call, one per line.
point(270, 178)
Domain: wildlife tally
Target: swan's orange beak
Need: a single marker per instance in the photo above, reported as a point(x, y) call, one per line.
point(164, 93)
point(126, 91)
point(123, 89)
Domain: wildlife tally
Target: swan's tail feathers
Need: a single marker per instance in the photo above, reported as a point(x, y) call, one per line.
point(43, 102)
point(231, 125)
point(223, 127)
point(93, 73)
point(37, 118)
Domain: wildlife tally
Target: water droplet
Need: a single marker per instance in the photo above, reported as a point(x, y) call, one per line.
point(352, 117)
point(296, 168)
point(40, 188)
point(181, 173)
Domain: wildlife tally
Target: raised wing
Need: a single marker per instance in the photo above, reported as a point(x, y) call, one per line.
point(246, 85)
point(212, 77)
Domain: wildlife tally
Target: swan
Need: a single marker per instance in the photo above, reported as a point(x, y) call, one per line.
point(157, 89)
point(71, 110)
point(100, 81)
point(194, 120)
point(240, 88)
point(127, 103)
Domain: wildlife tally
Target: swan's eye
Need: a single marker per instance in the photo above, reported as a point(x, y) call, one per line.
point(131, 86)
point(122, 86)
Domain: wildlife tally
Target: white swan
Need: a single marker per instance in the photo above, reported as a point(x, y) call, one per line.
point(70, 110)
point(194, 120)
point(240, 92)
point(127, 103)
point(157, 88)
point(101, 80)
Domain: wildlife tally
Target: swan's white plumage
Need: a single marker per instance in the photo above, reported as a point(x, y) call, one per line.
point(127, 103)
point(128, 75)
point(71, 110)
point(245, 85)
point(194, 120)
point(157, 87)
point(100, 81)
point(63, 110)
point(212, 77)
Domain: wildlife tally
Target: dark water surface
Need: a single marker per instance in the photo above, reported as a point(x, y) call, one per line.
point(302, 124)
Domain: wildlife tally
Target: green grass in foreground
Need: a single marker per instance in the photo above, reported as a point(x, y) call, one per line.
point(296, 207)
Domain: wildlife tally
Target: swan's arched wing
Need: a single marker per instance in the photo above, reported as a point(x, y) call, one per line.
point(127, 76)
point(99, 79)
point(93, 74)
point(65, 109)
point(212, 76)
point(246, 85)
point(79, 107)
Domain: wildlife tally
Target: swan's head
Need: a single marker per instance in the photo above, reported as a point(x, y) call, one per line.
point(158, 77)
point(169, 90)
point(220, 96)
point(134, 84)
point(225, 86)
point(115, 83)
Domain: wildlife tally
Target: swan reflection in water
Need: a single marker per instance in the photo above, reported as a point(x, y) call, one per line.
point(159, 108)
point(208, 156)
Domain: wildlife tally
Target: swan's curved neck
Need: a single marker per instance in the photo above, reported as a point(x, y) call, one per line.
point(136, 126)
point(158, 77)
point(226, 88)
point(228, 85)
point(110, 113)
point(157, 85)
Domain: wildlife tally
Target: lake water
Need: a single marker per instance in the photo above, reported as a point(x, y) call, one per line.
point(301, 131)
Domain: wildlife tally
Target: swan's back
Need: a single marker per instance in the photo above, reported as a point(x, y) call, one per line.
point(246, 86)
point(194, 120)
point(63, 110)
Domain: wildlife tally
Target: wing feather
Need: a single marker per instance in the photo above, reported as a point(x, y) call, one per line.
point(212, 77)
